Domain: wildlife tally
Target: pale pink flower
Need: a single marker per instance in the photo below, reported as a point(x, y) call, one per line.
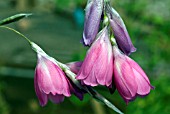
point(51, 82)
point(129, 78)
point(97, 67)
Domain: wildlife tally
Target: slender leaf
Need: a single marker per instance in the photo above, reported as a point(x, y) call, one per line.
point(14, 18)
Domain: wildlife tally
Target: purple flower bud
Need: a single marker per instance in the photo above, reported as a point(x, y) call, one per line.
point(51, 82)
point(97, 67)
point(129, 78)
point(120, 32)
point(93, 14)
point(75, 66)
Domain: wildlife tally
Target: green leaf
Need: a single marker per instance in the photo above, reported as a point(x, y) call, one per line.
point(14, 18)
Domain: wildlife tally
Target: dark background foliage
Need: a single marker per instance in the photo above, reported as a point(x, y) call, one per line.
point(57, 26)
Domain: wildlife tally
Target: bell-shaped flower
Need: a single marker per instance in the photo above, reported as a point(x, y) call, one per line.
point(50, 81)
point(129, 78)
point(97, 67)
point(120, 32)
point(93, 14)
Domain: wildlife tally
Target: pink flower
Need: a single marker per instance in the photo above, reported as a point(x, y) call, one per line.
point(97, 67)
point(51, 82)
point(129, 78)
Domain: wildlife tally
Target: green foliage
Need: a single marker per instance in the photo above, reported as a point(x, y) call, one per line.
point(148, 23)
point(157, 102)
point(4, 108)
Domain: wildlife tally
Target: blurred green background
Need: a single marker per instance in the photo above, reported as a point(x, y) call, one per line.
point(57, 27)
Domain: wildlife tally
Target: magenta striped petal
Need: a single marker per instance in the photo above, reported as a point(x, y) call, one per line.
point(129, 78)
point(43, 99)
point(124, 77)
point(98, 63)
point(51, 83)
point(51, 78)
point(142, 80)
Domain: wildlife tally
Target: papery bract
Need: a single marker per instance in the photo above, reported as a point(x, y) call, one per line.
point(129, 78)
point(75, 66)
point(97, 67)
point(120, 32)
point(93, 14)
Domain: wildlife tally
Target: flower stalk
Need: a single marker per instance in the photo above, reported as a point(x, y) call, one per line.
point(68, 73)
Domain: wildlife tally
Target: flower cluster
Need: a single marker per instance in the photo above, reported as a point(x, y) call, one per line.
point(106, 62)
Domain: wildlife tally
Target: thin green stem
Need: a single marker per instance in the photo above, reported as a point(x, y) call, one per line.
point(106, 0)
point(23, 36)
point(90, 90)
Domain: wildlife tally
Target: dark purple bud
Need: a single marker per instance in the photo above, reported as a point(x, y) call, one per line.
point(120, 32)
point(93, 14)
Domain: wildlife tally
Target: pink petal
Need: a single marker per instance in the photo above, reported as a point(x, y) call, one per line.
point(141, 78)
point(65, 84)
point(143, 86)
point(56, 98)
point(138, 69)
point(44, 76)
point(109, 75)
point(95, 67)
point(101, 68)
point(42, 97)
point(89, 61)
point(90, 80)
point(51, 78)
point(124, 79)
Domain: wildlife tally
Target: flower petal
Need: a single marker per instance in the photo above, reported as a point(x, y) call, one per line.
point(42, 97)
point(96, 66)
point(56, 98)
point(51, 78)
point(124, 77)
point(141, 78)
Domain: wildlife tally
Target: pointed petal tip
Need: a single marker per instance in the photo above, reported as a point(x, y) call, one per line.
point(80, 77)
point(152, 87)
point(133, 49)
point(89, 83)
point(56, 98)
point(41, 104)
point(86, 41)
point(145, 94)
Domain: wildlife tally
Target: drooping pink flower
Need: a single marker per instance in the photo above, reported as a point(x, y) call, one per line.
point(129, 78)
point(51, 82)
point(97, 67)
